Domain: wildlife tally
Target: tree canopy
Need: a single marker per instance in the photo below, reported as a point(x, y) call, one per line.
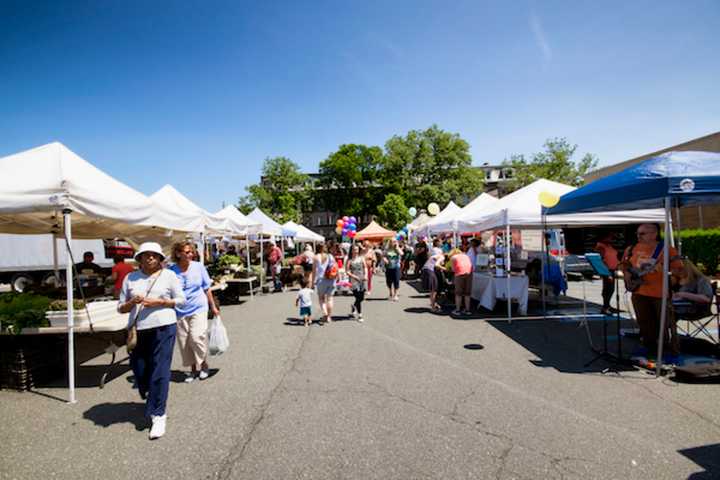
point(283, 193)
point(553, 163)
point(393, 212)
point(353, 170)
point(431, 165)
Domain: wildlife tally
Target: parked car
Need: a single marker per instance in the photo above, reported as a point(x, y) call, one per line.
point(578, 264)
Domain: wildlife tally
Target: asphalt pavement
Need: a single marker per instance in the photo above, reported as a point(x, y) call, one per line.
point(396, 397)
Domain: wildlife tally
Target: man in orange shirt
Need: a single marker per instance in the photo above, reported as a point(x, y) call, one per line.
point(647, 254)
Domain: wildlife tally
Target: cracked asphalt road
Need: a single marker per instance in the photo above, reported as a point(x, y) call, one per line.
point(395, 397)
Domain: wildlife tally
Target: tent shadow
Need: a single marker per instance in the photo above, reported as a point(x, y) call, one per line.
point(708, 457)
point(107, 414)
point(563, 346)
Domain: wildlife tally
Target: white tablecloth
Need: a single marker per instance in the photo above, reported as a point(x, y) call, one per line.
point(486, 289)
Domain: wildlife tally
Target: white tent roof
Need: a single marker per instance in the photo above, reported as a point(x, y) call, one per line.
point(237, 221)
point(442, 221)
point(176, 207)
point(522, 208)
point(269, 226)
point(480, 204)
point(37, 184)
point(303, 234)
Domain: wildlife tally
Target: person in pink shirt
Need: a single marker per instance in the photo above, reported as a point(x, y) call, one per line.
point(462, 271)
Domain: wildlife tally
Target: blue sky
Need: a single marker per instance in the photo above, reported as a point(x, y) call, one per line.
point(198, 94)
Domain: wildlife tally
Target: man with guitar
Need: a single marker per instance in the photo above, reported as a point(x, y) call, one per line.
point(642, 270)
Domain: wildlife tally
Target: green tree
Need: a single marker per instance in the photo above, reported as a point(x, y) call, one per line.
point(393, 212)
point(353, 170)
point(282, 193)
point(553, 163)
point(430, 166)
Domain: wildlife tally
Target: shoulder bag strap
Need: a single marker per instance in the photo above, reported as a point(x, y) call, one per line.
point(147, 292)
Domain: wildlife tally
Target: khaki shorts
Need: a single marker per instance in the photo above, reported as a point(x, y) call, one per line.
point(463, 284)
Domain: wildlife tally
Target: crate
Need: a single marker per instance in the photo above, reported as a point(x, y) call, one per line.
point(27, 361)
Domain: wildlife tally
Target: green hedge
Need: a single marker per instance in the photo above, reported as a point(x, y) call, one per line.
point(703, 248)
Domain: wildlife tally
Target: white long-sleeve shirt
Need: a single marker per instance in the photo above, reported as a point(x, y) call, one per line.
point(167, 286)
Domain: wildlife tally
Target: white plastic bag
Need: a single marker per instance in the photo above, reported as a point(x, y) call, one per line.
point(217, 337)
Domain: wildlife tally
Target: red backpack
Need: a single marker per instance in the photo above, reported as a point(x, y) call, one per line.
point(331, 270)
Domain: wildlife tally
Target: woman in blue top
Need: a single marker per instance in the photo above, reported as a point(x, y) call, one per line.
point(192, 316)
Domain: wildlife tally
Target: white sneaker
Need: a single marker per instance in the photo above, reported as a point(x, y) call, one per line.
point(189, 377)
point(360, 318)
point(203, 374)
point(158, 426)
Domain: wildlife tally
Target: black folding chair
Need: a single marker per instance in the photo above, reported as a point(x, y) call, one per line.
point(700, 321)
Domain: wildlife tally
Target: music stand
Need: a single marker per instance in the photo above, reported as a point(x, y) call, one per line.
point(601, 269)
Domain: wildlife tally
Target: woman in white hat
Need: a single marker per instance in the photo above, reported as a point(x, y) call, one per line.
point(151, 294)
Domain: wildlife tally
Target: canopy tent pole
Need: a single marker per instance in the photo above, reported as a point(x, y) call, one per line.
point(56, 261)
point(262, 269)
point(543, 262)
point(507, 271)
point(67, 219)
point(202, 248)
point(678, 227)
point(665, 289)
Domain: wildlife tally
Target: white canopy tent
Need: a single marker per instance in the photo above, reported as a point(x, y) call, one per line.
point(522, 209)
point(302, 233)
point(50, 189)
point(442, 222)
point(269, 226)
point(246, 226)
point(482, 203)
point(172, 207)
point(177, 207)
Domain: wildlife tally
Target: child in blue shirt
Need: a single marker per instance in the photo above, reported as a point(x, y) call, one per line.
point(304, 301)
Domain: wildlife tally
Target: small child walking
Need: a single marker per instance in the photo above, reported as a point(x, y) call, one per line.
point(304, 301)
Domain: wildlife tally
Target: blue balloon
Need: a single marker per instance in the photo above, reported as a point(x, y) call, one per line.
point(353, 227)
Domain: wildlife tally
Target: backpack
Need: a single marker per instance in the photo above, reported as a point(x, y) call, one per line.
point(331, 269)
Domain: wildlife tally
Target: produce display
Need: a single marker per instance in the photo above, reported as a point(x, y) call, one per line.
point(23, 310)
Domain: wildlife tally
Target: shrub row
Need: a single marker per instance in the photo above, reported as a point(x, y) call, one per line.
point(703, 248)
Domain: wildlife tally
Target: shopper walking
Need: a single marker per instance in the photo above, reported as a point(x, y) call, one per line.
point(392, 258)
point(357, 271)
point(150, 295)
point(192, 316)
point(324, 277)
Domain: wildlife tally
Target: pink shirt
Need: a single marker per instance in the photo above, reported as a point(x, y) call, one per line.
point(461, 264)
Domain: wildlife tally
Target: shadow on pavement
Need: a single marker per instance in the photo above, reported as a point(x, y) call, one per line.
point(106, 414)
point(563, 346)
point(708, 457)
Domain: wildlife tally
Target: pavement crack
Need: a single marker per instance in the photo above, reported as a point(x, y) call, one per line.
point(237, 451)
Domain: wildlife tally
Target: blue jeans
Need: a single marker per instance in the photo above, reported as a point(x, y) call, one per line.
point(150, 363)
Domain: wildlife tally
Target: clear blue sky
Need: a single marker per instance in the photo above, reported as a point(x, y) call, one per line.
point(197, 94)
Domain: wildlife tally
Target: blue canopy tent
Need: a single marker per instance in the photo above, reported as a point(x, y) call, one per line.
point(671, 179)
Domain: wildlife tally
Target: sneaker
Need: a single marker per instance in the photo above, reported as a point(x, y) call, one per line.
point(203, 374)
point(158, 426)
point(457, 312)
point(360, 318)
point(396, 298)
point(189, 377)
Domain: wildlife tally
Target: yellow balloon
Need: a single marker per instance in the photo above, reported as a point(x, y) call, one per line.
point(433, 209)
point(548, 199)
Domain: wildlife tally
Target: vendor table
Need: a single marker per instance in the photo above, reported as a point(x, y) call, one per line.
point(487, 289)
point(111, 331)
point(248, 280)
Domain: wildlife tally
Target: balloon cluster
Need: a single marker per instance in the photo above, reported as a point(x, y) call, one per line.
point(402, 234)
point(346, 226)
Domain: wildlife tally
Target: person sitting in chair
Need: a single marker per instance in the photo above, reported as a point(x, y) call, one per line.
point(694, 291)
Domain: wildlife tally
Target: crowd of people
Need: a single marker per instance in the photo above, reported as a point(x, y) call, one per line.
point(171, 304)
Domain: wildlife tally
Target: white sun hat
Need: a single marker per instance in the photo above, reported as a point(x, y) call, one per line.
point(149, 247)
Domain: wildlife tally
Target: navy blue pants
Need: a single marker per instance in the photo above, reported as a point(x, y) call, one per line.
point(150, 362)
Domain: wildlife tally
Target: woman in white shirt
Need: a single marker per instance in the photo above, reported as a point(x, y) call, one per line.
point(150, 296)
